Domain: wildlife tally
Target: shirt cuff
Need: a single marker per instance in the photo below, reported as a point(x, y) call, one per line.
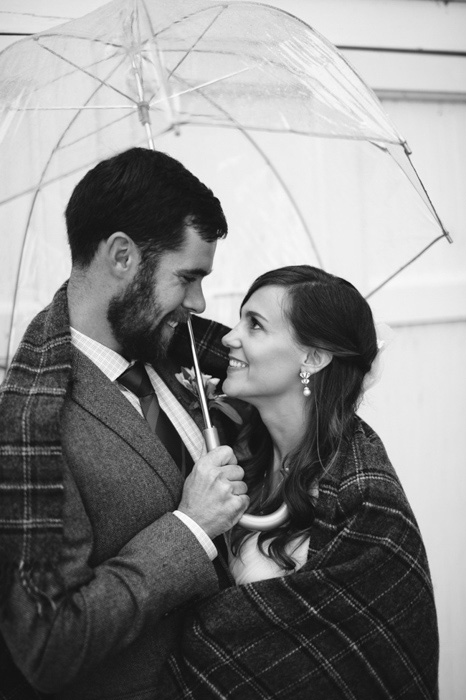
point(199, 533)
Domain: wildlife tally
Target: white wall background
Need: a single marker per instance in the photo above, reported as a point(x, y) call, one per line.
point(413, 53)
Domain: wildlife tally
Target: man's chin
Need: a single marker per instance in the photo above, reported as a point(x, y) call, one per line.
point(166, 333)
point(162, 340)
point(157, 350)
point(149, 348)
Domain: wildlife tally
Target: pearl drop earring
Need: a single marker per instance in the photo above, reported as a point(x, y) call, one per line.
point(305, 380)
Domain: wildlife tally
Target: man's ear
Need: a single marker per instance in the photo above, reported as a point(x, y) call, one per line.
point(121, 253)
point(316, 360)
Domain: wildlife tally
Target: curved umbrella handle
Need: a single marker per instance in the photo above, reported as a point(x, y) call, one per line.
point(261, 523)
point(249, 522)
point(265, 522)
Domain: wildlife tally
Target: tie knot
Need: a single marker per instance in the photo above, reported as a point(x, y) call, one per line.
point(136, 379)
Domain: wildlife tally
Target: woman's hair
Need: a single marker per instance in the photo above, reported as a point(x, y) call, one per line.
point(325, 312)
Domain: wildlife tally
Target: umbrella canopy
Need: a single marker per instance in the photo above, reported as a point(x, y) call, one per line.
point(262, 108)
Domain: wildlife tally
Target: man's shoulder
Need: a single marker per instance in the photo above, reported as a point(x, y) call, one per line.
point(42, 361)
point(49, 327)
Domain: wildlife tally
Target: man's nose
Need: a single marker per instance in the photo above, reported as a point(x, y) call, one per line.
point(194, 299)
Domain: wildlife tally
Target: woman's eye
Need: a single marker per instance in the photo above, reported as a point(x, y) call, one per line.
point(254, 323)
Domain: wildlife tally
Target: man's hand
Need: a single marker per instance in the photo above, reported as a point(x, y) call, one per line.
point(214, 494)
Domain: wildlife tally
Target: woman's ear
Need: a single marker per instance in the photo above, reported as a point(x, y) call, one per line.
point(316, 360)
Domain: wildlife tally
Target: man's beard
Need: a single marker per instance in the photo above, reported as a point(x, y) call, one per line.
point(135, 317)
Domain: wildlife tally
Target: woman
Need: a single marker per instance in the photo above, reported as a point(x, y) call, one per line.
point(337, 602)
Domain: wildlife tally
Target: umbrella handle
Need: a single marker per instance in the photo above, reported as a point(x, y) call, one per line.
point(211, 438)
point(261, 523)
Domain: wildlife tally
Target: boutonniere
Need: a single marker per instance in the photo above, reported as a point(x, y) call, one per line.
point(187, 377)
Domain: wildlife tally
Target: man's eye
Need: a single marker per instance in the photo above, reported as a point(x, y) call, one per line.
point(187, 279)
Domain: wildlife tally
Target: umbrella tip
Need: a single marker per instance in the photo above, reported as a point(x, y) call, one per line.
point(407, 149)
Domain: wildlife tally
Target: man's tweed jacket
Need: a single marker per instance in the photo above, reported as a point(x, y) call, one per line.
point(357, 622)
point(127, 563)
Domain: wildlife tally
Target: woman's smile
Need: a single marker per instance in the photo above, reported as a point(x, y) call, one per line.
point(235, 364)
point(274, 358)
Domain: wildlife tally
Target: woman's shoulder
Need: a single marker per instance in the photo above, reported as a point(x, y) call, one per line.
point(368, 444)
point(364, 472)
point(366, 451)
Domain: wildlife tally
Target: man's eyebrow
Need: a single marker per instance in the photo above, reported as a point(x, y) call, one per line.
point(194, 271)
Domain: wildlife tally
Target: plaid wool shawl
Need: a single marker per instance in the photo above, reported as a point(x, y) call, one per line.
point(357, 622)
point(31, 457)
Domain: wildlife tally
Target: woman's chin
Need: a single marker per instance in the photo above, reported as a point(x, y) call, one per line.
point(227, 387)
point(235, 391)
point(231, 388)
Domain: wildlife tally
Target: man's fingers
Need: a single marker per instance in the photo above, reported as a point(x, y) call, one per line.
point(214, 494)
point(232, 472)
point(221, 455)
point(239, 488)
point(244, 504)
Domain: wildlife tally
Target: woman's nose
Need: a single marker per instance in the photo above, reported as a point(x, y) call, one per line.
point(231, 339)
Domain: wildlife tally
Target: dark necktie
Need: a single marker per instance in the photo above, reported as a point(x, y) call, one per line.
point(136, 379)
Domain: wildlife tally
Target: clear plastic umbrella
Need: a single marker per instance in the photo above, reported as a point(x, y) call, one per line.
point(260, 106)
point(255, 102)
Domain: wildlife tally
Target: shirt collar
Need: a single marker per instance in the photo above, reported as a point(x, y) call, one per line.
point(108, 361)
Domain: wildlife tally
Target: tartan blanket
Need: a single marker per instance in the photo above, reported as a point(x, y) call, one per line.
point(358, 621)
point(31, 458)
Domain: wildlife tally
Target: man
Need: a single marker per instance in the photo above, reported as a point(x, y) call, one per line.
point(102, 541)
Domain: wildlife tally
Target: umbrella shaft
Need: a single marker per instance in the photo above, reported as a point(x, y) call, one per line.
point(200, 383)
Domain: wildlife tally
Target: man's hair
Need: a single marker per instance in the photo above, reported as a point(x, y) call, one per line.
point(146, 194)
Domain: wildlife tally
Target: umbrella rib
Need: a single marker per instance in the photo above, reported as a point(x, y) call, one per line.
point(64, 35)
point(90, 75)
point(267, 160)
point(403, 267)
point(298, 132)
point(445, 232)
point(96, 131)
point(188, 16)
point(46, 183)
point(418, 179)
point(323, 47)
point(91, 65)
point(93, 132)
point(206, 84)
point(31, 208)
point(92, 40)
point(201, 36)
point(191, 49)
point(81, 108)
point(65, 75)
